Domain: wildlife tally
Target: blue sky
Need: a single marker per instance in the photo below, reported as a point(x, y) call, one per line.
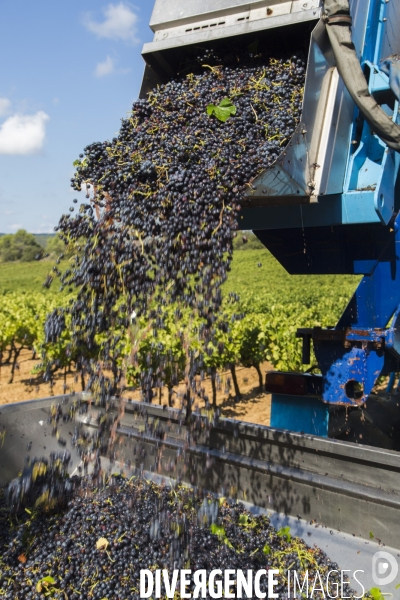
point(70, 71)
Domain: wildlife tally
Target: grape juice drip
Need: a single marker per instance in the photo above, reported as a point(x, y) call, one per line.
point(164, 200)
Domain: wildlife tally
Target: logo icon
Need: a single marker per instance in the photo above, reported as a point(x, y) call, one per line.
point(384, 568)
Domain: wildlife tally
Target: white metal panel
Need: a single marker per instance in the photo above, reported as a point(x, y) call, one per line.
point(178, 16)
point(259, 12)
point(204, 31)
point(322, 129)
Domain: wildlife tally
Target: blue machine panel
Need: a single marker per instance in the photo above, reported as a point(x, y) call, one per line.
point(347, 221)
point(309, 415)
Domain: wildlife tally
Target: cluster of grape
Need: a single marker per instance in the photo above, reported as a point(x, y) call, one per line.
point(164, 196)
point(98, 545)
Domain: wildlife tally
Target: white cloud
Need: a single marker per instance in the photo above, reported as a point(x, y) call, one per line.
point(15, 227)
point(23, 134)
point(119, 23)
point(104, 68)
point(5, 106)
point(8, 212)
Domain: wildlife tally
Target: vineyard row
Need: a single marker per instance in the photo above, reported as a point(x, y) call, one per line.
point(266, 332)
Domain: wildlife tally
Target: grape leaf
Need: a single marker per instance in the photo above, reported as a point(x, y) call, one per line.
point(267, 549)
point(226, 103)
point(80, 163)
point(376, 594)
point(223, 111)
point(45, 583)
point(284, 532)
point(218, 530)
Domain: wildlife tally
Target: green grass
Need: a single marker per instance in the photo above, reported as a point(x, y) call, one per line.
point(43, 238)
point(271, 276)
point(245, 277)
point(27, 277)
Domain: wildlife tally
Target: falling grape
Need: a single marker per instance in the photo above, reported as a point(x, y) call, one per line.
point(167, 192)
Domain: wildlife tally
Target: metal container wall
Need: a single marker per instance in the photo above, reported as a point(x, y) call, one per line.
point(349, 487)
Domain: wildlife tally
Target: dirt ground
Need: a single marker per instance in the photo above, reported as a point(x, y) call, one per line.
point(254, 407)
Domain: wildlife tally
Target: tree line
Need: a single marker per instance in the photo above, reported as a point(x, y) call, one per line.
point(24, 247)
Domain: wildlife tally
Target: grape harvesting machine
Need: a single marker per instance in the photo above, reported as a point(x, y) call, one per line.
point(328, 205)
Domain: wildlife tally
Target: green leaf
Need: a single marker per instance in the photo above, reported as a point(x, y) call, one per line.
point(223, 111)
point(376, 594)
point(371, 535)
point(284, 532)
point(45, 583)
point(266, 549)
point(222, 114)
point(243, 520)
point(227, 103)
point(217, 530)
point(398, 586)
point(76, 162)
